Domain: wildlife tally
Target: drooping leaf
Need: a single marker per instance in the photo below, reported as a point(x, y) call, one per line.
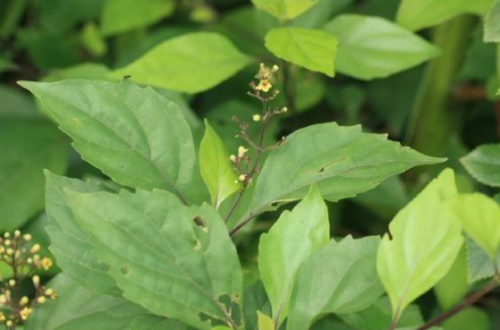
point(480, 218)
point(373, 47)
point(134, 135)
point(280, 255)
point(216, 169)
point(470, 318)
point(479, 264)
point(453, 286)
point(419, 14)
point(410, 261)
point(379, 316)
point(174, 260)
point(312, 49)
point(77, 308)
point(119, 16)
point(69, 243)
point(340, 278)
point(284, 9)
point(492, 25)
point(484, 164)
point(341, 161)
point(190, 63)
point(27, 147)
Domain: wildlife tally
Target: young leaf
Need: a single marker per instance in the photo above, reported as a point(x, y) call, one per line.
point(174, 260)
point(312, 49)
point(119, 16)
point(484, 164)
point(342, 161)
point(340, 278)
point(480, 218)
point(134, 135)
point(70, 244)
point(216, 169)
point(284, 9)
point(418, 14)
point(26, 148)
point(373, 47)
point(190, 63)
point(492, 25)
point(77, 308)
point(424, 242)
point(265, 322)
point(279, 254)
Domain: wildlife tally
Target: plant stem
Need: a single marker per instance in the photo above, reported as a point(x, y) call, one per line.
point(433, 119)
point(491, 285)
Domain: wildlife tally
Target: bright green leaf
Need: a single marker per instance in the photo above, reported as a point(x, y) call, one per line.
point(284, 9)
point(410, 261)
point(492, 25)
point(312, 49)
point(121, 16)
point(216, 169)
point(27, 147)
point(373, 47)
point(280, 255)
point(70, 244)
point(174, 260)
point(419, 14)
point(134, 135)
point(342, 161)
point(480, 218)
point(190, 63)
point(340, 278)
point(484, 164)
point(77, 308)
point(265, 322)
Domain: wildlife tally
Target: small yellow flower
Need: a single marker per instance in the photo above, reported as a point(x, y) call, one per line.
point(27, 237)
point(7, 242)
point(264, 85)
point(46, 263)
point(242, 177)
point(41, 300)
point(242, 151)
point(256, 118)
point(8, 323)
point(12, 282)
point(232, 158)
point(24, 301)
point(24, 313)
point(36, 281)
point(10, 251)
point(35, 248)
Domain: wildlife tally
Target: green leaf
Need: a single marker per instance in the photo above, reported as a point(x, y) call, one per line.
point(470, 318)
point(342, 161)
point(255, 299)
point(284, 9)
point(216, 169)
point(410, 261)
point(454, 286)
point(492, 25)
point(190, 63)
point(279, 254)
point(174, 260)
point(373, 47)
point(418, 14)
point(312, 49)
point(265, 322)
point(480, 218)
point(70, 244)
point(15, 103)
point(484, 164)
point(479, 264)
point(134, 135)
point(77, 308)
point(340, 278)
point(379, 317)
point(121, 16)
point(26, 148)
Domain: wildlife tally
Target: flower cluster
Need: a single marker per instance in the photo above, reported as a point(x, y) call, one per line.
point(21, 256)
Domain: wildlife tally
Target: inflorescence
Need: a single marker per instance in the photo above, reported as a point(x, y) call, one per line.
point(21, 256)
